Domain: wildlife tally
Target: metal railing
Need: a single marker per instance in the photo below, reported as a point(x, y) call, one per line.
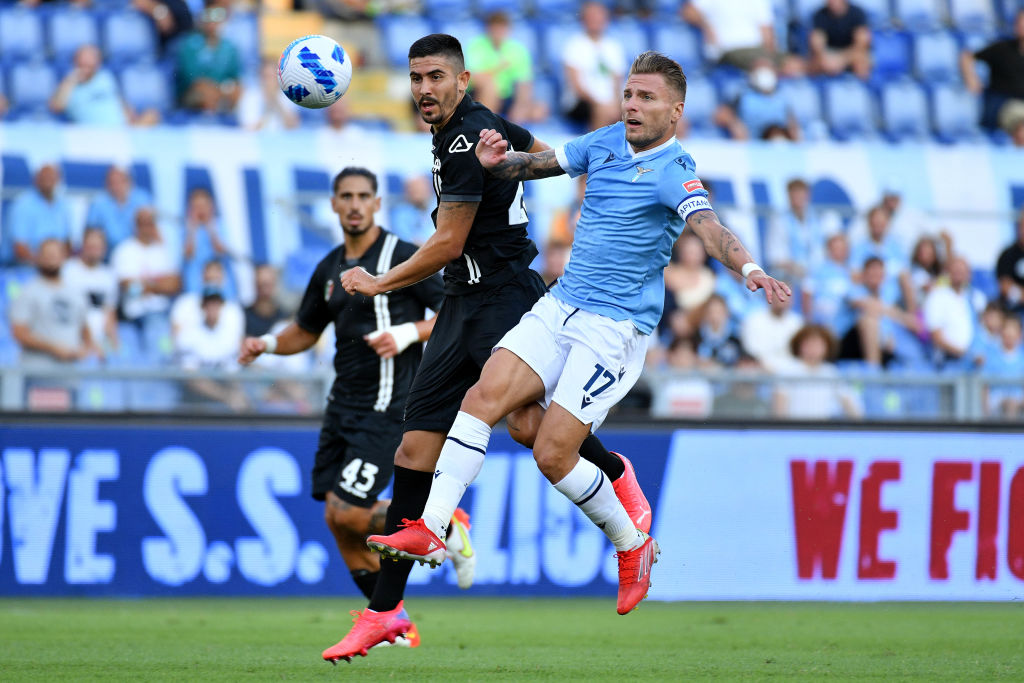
point(698, 395)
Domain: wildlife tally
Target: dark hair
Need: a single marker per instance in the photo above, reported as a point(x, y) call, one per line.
point(814, 330)
point(351, 171)
point(797, 183)
point(439, 44)
point(652, 62)
point(872, 260)
point(90, 229)
point(497, 17)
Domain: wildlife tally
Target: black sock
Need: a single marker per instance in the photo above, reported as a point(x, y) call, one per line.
point(410, 497)
point(366, 580)
point(593, 450)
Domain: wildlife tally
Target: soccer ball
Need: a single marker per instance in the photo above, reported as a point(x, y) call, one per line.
point(314, 72)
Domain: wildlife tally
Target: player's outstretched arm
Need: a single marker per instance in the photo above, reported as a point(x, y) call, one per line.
point(292, 339)
point(492, 151)
point(723, 245)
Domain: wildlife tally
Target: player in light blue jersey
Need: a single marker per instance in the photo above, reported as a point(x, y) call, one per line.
point(581, 347)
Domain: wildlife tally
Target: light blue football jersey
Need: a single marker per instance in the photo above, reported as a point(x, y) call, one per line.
point(634, 209)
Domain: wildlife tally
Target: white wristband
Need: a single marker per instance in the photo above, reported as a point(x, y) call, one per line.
point(270, 341)
point(404, 335)
point(749, 268)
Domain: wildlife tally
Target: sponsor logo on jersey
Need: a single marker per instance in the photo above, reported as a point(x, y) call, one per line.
point(693, 185)
point(640, 170)
point(611, 155)
point(460, 144)
point(328, 290)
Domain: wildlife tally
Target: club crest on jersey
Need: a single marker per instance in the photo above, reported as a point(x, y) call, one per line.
point(328, 290)
point(640, 170)
point(460, 144)
point(693, 185)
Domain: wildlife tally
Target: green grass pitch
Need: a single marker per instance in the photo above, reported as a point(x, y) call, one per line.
point(510, 639)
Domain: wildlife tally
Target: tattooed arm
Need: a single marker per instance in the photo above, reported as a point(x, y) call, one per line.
point(723, 245)
point(492, 150)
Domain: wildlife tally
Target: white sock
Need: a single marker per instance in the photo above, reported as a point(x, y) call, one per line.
point(461, 459)
point(592, 492)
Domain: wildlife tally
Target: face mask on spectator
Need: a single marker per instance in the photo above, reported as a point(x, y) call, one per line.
point(764, 79)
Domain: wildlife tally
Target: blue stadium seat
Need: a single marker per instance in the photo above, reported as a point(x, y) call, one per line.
point(984, 280)
point(891, 54)
point(730, 81)
point(804, 100)
point(555, 10)
point(69, 29)
point(850, 108)
point(954, 114)
point(242, 30)
point(465, 29)
point(513, 8)
point(972, 16)
point(679, 41)
point(936, 57)
point(446, 9)
point(917, 15)
point(127, 37)
point(398, 33)
point(632, 35)
point(552, 40)
point(524, 33)
point(31, 85)
point(701, 102)
point(904, 110)
point(145, 86)
point(21, 34)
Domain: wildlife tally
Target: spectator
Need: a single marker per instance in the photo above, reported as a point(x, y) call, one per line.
point(594, 67)
point(925, 267)
point(48, 317)
point(826, 288)
point(987, 338)
point(742, 399)
point(208, 66)
point(880, 242)
point(688, 280)
point(1003, 104)
point(760, 112)
point(949, 314)
point(203, 242)
point(147, 274)
point(90, 275)
point(840, 40)
point(795, 245)
point(265, 310)
point(89, 94)
point(502, 72)
point(735, 33)
point(683, 393)
point(1010, 269)
point(187, 309)
point(556, 256)
point(879, 320)
point(814, 390)
point(1006, 362)
point(211, 342)
point(766, 332)
point(265, 106)
point(716, 338)
point(907, 224)
point(37, 214)
point(171, 18)
point(410, 215)
point(113, 210)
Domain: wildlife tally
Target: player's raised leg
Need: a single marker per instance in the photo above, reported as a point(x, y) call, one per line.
point(506, 383)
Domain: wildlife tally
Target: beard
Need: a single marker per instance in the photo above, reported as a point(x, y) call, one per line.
point(356, 230)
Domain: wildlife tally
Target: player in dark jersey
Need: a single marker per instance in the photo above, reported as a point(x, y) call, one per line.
point(377, 352)
point(481, 241)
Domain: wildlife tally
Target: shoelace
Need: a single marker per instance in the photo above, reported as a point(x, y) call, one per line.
point(409, 523)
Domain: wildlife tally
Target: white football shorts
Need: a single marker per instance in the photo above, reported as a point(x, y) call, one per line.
point(588, 362)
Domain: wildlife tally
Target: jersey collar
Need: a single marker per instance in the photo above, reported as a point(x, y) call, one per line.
point(461, 108)
point(654, 150)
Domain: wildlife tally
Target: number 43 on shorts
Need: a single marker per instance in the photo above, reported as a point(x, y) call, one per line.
point(606, 380)
point(353, 472)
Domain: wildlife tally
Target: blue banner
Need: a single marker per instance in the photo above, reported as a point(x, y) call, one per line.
point(126, 511)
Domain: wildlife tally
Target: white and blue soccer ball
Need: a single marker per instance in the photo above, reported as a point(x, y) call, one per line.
point(314, 72)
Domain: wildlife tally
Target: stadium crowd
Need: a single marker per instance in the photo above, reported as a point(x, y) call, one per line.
point(888, 293)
